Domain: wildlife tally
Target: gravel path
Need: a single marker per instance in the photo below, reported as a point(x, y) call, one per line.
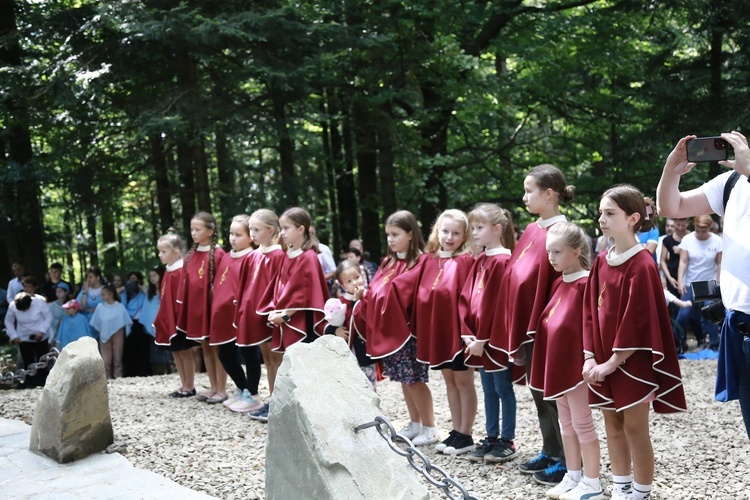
point(704, 453)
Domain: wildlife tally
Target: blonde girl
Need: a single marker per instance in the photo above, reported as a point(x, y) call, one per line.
point(558, 356)
point(435, 323)
point(257, 273)
point(493, 234)
point(170, 248)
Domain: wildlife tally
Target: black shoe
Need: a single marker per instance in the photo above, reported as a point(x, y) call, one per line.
point(536, 464)
point(484, 447)
point(552, 475)
point(503, 451)
point(462, 443)
point(442, 445)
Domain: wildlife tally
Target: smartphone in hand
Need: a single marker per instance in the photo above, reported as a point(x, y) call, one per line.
point(703, 149)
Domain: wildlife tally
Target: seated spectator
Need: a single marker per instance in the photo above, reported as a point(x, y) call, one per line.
point(700, 260)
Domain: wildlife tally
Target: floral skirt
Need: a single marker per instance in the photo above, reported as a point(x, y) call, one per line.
point(402, 366)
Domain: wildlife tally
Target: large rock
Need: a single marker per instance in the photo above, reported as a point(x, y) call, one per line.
point(72, 419)
point(312, 452)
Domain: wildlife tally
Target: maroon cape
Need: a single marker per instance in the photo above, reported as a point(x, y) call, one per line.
point(223, 305)
point(257, 271)
point(524, 292)
point(195, 294)
point(299, 286)
point(557, 362)
point(381, 318)
point(477, 308)
point(624, 309)
point(435, 321)
point(165, 323)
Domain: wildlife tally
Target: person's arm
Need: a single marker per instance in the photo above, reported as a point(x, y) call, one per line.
point(741, 162)
point(46, 317)
point(597, 373)
point(10, 325)
point(663, 265)
point(684, 258)
point(718, 266)
point(670, 202)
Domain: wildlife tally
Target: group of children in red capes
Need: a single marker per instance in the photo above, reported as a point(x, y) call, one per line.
point(583, 336)
point(526, 311)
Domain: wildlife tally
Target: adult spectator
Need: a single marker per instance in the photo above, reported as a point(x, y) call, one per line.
point(47, 290)
point(668, 229)
point(669, 262)
point(26, 323)
point(15, 285)
point(720, 196)
point(325, 256)
point(372, 267)
point(90, 295)
point(700, 260)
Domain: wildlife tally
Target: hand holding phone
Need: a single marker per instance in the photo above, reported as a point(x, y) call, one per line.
point(703, 149)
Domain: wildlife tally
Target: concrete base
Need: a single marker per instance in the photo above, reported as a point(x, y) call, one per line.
point(25, 474)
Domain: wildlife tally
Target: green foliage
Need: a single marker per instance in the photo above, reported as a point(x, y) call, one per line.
point(470, 96)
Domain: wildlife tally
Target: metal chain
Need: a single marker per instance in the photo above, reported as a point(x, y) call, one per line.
point(434, 474)
point(30, 371)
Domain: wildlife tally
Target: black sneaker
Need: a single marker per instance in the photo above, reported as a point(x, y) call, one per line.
point(484, 447)
point(552, 475)
point(442, 445)
point(536, 464)
point(503, 451)
point(462, 443)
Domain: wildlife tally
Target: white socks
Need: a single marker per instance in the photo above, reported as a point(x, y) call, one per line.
point(641, 491)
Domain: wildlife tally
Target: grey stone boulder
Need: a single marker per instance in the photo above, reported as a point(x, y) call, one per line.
point(72, 420)
point(311, 450)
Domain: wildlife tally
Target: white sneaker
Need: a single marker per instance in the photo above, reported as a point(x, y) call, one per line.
point(618, 494)
point(247, 403)
point(584, 491)
point(411, 430)
point(429, 435)
point(567, 484)
point(229, 402)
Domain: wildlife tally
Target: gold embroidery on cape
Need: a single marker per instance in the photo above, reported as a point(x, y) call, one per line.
point(601, 296)
point(552, 311)
point(163, 286)
point(224, 275)
point(480, 285)
point(255, 273)
point(201, 271)
point(437, 279)
point(387, 277)
point(523, 252)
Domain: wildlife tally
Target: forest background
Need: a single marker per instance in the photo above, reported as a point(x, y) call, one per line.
point(122, 118)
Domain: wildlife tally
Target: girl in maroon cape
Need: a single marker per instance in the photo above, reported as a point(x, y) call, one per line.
point(256, 274)
point(435, 322)
point(558, 359)
point(170, 248)
point(223, 334)
point(197, 282)
point(382, 319)
point(524, 293)
point(294, 302)
point(629, 351)
point(492, 230)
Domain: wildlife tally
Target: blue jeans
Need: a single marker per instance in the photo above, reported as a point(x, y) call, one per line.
point(699, 324)
point(733, 370)
point(497, 388)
